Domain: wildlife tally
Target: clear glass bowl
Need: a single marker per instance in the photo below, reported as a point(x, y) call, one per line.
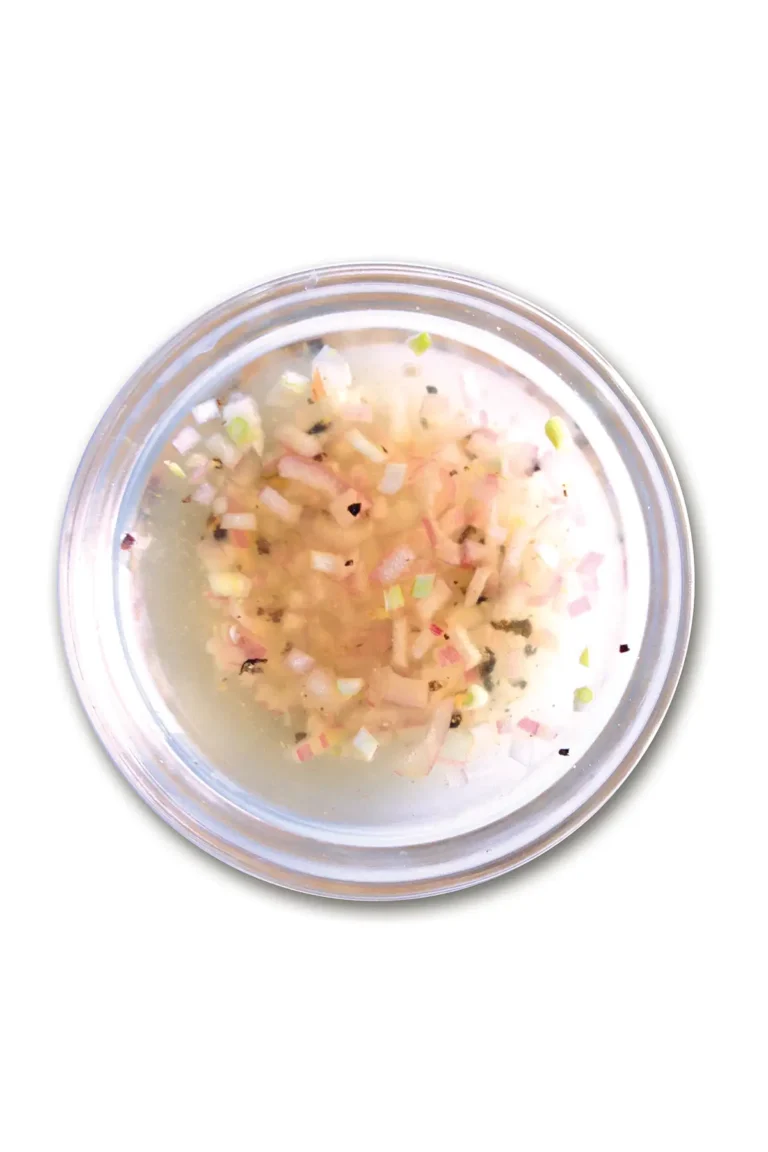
point(354, 834)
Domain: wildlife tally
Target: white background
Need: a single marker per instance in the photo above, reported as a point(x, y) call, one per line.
point(604, 159)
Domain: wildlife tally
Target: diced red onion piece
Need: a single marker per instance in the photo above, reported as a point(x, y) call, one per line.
point(270, 498)
point(311, 473)
point(448, 655)
point(579, 607)
point(431, 530)
point(394, 565)
point(403, 690)
point(473, 554)
point(252, 649)
point(400, 642)
point(357, 413)
point(528, 725)
point(590, 563)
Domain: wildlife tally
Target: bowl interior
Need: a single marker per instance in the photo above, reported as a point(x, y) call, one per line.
point(211, 762)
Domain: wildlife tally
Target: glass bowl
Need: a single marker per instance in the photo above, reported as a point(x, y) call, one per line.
point(355, 833)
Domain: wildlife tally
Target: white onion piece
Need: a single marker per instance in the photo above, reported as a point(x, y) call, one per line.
point(223, 449)
point(326, 562)
point(364, 446)
point(350, 686)
point(476, 585)
point(186, 440)
point(455, 777)
point(421, 761)
point(469, 653)
point(298, 661)
point(244, 520)
point(365, 744)
point(400, 642)
point(548, 554)
point(293, 438)
point(422, 644)
point(393, 479)
point(205, 412)
point(319, 683)
point(219, 505)
point(205, 494)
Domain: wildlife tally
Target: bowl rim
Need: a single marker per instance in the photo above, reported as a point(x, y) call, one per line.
point(366, 890)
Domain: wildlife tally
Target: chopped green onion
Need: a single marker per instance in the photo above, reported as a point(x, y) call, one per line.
point(555, 430)
point(583, 695)
point(175, 469)
point(475, 697)
point(419, 344)
point(239, 431)
point(584, 658)
point(393, 598)
point(422, 586)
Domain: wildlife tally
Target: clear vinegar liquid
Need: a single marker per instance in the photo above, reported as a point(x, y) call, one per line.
point(243, 750)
